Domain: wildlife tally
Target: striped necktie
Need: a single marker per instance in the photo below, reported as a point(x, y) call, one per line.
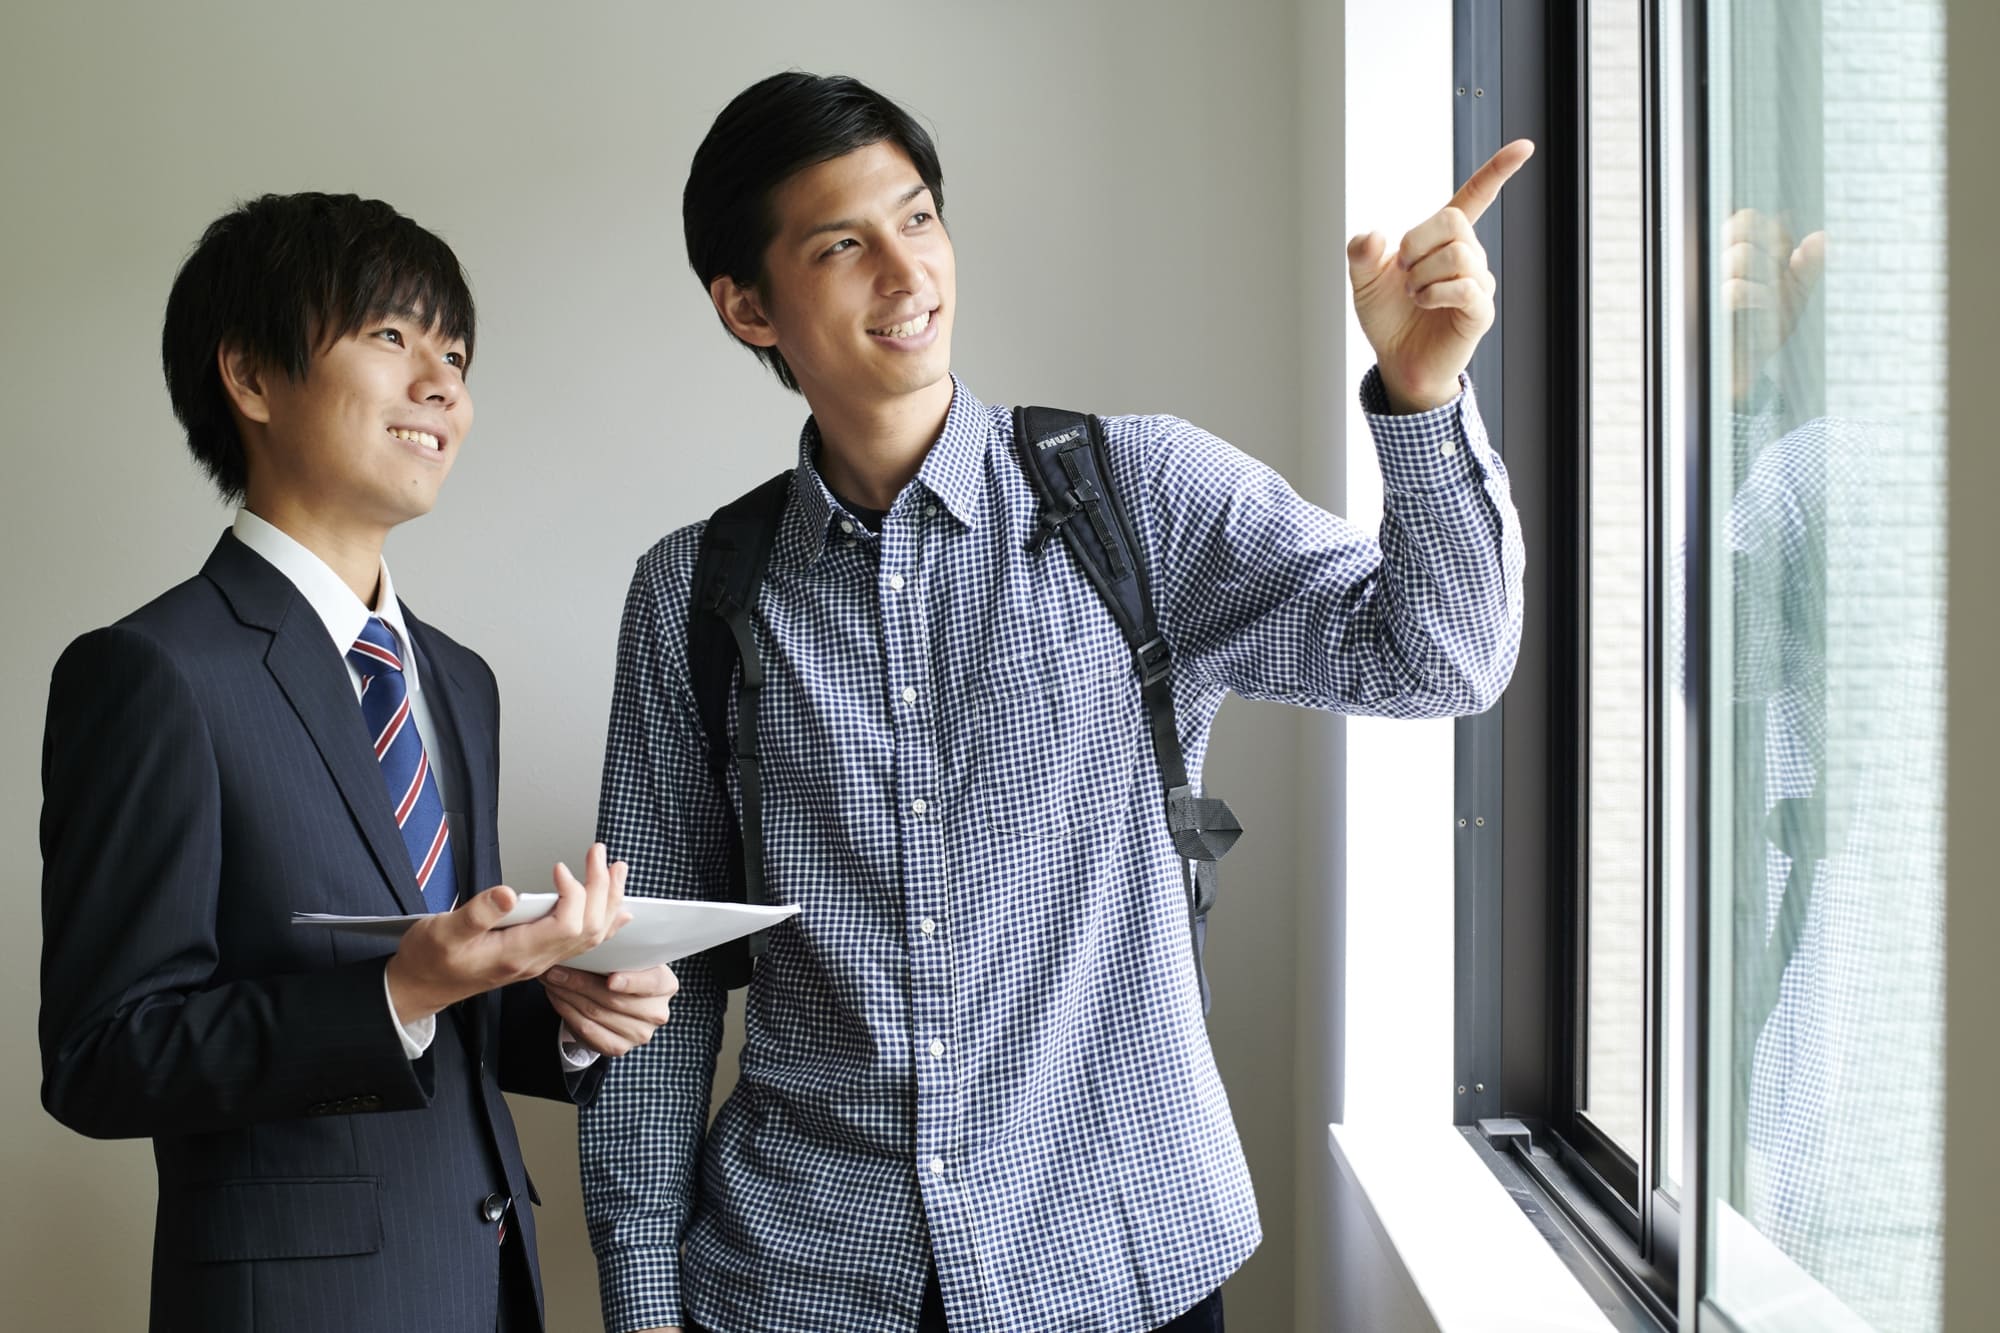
point(413, 792)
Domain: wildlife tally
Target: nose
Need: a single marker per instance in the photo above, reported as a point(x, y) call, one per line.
point(435, 380)
point(902, 269)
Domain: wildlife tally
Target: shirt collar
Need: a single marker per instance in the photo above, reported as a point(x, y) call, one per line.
point(951, 473)
point(955, 469)
point(339, 610)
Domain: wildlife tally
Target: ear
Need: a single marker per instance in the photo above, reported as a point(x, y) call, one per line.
point(243, 383)
point(742, 312)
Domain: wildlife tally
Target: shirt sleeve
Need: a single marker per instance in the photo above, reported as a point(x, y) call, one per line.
point(640, 1141)
point(1269, 596)
point(417, 1034)
point(575, 1055)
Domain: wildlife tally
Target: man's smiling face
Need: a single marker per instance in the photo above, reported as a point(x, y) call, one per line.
point(860, 283)
point(365, 438)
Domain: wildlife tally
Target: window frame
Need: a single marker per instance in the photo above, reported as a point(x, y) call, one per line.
point(1530, 962)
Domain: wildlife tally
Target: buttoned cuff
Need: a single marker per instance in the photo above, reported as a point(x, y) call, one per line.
point(415, 1036)
point(1426, 451)
point(575, 1055)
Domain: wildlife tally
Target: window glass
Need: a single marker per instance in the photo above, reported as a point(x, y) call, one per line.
point(1825, 238)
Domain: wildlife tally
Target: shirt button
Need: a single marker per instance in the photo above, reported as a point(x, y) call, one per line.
point(909, 694)
point(1448, 448)
point(930, 511)
point(929, 927)
point(937, 1166)
point(847, 525)
point(937, 1049)
point(896, 582)
point(920, 805)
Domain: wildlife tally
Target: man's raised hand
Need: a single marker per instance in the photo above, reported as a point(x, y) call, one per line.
point(1767, 279)
point(1425, 305)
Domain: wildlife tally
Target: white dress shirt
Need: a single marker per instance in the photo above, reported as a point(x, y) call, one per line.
point(344, 616)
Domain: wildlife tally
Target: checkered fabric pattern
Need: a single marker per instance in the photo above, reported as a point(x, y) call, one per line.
point(982, 1042)
point(1842, 1112)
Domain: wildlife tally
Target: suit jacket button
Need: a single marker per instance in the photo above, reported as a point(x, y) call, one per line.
point(493, 1207)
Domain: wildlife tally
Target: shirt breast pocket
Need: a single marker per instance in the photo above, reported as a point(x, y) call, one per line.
point(1058, 733)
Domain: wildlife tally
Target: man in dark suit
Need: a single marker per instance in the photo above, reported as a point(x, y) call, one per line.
point(280, 734)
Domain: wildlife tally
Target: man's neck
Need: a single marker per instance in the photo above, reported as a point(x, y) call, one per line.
point(869, 453)
point(355, 556)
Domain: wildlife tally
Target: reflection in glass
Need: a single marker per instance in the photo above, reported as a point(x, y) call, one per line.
point(1824, 644)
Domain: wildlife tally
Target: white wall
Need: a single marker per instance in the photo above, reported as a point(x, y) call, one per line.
point(1399, 807)
point(1122, 186)
point(1390, 852)
point(1321, 1271)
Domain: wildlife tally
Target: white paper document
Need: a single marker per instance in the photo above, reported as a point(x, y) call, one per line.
point(661, 929)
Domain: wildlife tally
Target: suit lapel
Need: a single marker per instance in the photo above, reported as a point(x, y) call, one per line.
point(461, 740)
point(309, 670)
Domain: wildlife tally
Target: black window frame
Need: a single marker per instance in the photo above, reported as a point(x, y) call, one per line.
point(1522, 880)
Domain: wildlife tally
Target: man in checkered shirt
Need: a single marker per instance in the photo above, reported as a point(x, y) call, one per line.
point(976, 1090)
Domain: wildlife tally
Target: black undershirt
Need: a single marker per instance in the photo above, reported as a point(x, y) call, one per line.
point(870, 519)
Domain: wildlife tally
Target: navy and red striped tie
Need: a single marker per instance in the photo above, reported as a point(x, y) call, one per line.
point(413, 792)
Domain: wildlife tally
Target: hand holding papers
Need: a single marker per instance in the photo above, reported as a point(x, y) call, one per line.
point(661, 930)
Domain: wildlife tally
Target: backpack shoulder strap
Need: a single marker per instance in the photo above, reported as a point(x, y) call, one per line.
point(729, 568)
point(1063, 454)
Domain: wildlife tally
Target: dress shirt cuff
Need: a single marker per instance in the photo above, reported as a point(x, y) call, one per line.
point(575, 1055)
point(1426, 451)
point(415, 1036)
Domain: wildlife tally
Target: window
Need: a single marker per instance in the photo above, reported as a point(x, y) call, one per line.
point(1822, 646)
point(1723, 403)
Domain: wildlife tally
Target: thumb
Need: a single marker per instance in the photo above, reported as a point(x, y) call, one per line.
point(1809, 260)
point(1367, 256)
point(486, 910)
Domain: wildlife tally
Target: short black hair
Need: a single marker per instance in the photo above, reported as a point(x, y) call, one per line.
point(769, 132)
point(283, 276)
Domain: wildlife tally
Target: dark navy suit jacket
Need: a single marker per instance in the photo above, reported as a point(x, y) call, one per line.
point(206, 773)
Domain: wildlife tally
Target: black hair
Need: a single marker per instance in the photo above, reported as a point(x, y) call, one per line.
point(769, 132)
point(284, 276)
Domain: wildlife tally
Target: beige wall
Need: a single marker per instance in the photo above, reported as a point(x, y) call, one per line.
point(1972, 982)
point(1120, 183)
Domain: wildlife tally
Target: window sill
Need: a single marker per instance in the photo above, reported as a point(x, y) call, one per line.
point(1476, 1260)
point(1766, 1289)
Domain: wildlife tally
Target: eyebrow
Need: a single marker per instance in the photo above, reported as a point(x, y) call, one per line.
point(852, 224)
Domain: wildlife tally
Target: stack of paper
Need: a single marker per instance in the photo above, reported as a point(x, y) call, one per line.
point(660, 931)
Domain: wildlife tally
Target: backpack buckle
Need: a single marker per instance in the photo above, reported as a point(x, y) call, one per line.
point(1154, 660)
point(1047, 524)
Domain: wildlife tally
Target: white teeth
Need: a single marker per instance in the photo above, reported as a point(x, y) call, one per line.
point(906, 330)
point(424, 438)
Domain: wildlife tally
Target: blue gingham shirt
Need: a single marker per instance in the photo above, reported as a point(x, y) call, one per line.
point(981, 1043)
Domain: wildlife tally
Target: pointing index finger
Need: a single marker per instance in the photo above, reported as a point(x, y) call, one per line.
point(1483, 186)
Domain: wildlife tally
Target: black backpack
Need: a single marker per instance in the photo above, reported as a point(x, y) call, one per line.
point(1063, 454)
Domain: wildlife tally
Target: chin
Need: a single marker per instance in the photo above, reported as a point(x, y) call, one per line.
point(928, 376)
point(412, 505)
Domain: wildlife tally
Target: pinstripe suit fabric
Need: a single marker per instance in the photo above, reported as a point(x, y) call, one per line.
point(206, 773)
